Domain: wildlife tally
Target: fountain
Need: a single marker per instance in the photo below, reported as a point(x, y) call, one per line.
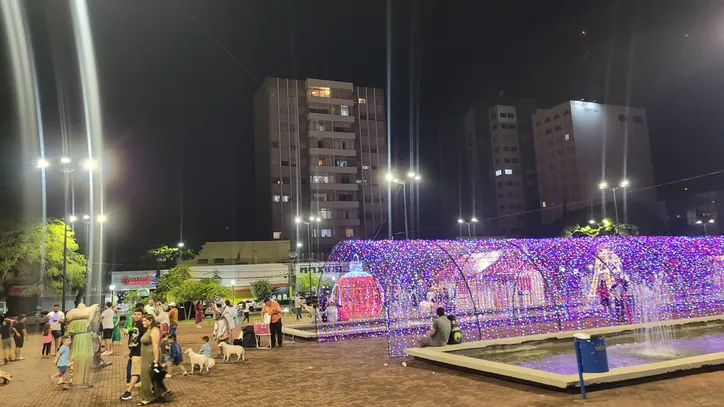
point(650, 306)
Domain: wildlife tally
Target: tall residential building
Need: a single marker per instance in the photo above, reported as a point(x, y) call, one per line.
point(579, 145)
point(320, 147)
point(500, 171)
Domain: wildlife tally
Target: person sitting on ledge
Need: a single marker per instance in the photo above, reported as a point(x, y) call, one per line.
point(440, 332)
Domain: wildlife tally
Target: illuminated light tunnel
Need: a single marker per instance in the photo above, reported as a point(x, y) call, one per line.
point(500, 288)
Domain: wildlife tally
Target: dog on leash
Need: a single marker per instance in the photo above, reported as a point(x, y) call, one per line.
point(232, 350)
point(201, 360)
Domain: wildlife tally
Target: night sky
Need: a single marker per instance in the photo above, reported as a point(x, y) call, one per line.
point(177, 107)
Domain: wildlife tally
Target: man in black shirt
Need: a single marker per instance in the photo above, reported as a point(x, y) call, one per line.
point(20, 335)
point(6, 333)
point(134, 353)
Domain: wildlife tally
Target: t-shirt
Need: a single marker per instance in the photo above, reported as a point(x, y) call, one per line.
point(268, 309)
point(6, 331)
point(19, 326)
point(205, 350)
point(173, 316)
point(164, 344)
point(56, 319)
point(107, 317)
point(297, 302)
point(64, 356)
point(149, 309)
point(48, 338)
point(442, 328)
point(134, 339)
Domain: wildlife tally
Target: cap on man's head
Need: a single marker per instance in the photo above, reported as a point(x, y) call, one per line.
point(171, 304)
point(267, 299)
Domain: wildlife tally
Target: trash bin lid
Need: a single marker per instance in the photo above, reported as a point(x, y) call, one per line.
point(582, 336)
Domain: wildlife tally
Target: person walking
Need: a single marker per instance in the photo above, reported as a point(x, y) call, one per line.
point(6, 333)
point(21, 334)
point(56, 320)
point(108, 325)
point(198, 314)
point(173, 318)
point(133, 366)
point(152, 386)
point(245, 309)
point(272, 308)
point(298, 306)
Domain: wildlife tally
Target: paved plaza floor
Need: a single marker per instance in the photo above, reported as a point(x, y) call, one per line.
point(348, 373)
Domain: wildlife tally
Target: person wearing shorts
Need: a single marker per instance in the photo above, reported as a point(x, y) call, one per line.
point(108, 325)
point(6, 333)
point(62, 360)
point(134, 353)
point(56, 319)
point(20, 333)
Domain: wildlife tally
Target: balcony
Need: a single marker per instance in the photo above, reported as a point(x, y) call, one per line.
point(333, 151)
point(329, 101)
point(330, 117)
point(332, 134)
point(337, 204)
point(334, 186)
point(333, 169)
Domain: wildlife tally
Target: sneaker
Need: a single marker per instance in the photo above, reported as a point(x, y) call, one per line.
point(126, 396)
point(168, 375)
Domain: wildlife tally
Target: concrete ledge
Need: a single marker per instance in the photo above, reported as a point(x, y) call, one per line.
point(444, 356)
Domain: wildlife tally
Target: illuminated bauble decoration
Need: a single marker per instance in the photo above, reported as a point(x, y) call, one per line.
point(357, 293)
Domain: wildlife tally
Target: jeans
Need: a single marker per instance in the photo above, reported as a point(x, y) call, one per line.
point(299, 313)
point(128, 370)
point(172, 330)
point(275, 329)
point(246, 318)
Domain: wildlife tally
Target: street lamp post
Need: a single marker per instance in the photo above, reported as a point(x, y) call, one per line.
point(113, 293)
point(473, 220)
point(313, 220)
point(233, 292)
point(411, 176)
point(180, 246)
point(603, 185)
point(703, 223)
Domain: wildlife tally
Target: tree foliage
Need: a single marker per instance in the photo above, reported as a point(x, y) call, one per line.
point(25, 251)
point(166, 256)
point(175, 277)
point(606, 228)
point(313, 282)
point(261, 289)
point(197, 290)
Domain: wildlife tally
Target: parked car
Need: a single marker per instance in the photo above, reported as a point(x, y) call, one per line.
point(36, 318)
point(253, 304)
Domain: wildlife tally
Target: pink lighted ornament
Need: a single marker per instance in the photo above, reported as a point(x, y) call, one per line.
point(357, 293)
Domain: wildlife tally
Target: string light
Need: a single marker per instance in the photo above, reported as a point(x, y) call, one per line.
point(514, 287)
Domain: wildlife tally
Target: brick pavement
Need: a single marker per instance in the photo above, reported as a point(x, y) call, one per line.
point(349, 373)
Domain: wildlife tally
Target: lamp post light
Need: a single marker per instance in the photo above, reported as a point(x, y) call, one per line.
point(603, 186)
point(411, 177)
point(473, 220)
point(313, 221)
point(233, 292)
point(703, 223)
point(180, 250)
point(113, 293)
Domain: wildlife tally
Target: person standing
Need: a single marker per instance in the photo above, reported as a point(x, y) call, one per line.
point(47, 341)
point(6, 333)
point(161, 314)
point(133, 366)
point(56, 320)
point(298, 306)
point(151, 383)
point(173, 318)
point(272, 308)
point(149, 308)
point(245, 309)
point(107, 325)
point(198, 314)
point(440, 332)
point(116, 326)
point(21, 333)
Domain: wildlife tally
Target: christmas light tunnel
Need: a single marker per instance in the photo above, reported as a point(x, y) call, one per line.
point(513, 287)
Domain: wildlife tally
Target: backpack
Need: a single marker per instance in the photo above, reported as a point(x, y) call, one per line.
point(456, 336)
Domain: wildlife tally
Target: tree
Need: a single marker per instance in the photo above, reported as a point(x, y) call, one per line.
point(24, 252)
point(261, 289)
point(313, 282)
point(131, 298)
point(165, 256)
point(606, 228)
point(175, 277)
point(191, 291)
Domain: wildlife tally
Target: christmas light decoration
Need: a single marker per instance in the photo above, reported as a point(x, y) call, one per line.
point(513, 287)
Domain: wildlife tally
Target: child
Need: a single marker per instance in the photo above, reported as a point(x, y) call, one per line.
point(21, 333)
point(47, 341)
point(205, 348)
point(456, 334)
point(165, 349)
point(176, 356)
point(6, 333)
point(62, 360)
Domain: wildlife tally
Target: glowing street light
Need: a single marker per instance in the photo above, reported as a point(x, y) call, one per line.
point(42, 163)
point(102, 218)
point(591, 221)
point(181, 244)
point(72, 218)
point(299, 245)
point(65, 160)
point(86, 217)
point(624, 183)
point(603, 185)
point(113, 294)
point(702, 223)
point(473, 220)
point(89, 165)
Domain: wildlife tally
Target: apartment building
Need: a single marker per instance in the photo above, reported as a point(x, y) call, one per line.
point(319, 148)
point(580, 145)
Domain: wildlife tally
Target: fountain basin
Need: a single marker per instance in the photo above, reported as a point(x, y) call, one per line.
point(549, 360)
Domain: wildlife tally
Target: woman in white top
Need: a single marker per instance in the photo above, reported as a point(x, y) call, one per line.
point(161, 316)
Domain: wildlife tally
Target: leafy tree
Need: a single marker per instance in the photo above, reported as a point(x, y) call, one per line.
point(314, 282)
point(131, 298)
point(26, 251)
point(175, 277)
point(165, 256)
point(261, 289)
point(191, 291)
point(606, 228)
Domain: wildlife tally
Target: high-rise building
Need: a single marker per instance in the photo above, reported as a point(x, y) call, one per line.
point(320, 148)
point(584, 153)
point(500, 166)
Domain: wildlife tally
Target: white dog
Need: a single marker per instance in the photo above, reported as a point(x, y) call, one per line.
point(201, 360)
point(232, 350)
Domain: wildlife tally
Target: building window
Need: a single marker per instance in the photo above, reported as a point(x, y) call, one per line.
point(497, 160)
point(340, 163)
point(276, 198)
point(506, 148)
point(325, 213)
point(344, 110)
point(556, 116)
point(326, 232)
point(549, 131)
point(220, 260)
point(494, 127)
point(365, 167)
point(547, 120)
point(498, 173)
point(285, 198)
point(558, 127)
point(349, 232)
point(496, 149)
point(319, 91)
point(638, 119)
point(502, 206)
point(567, 137)
point(285, 163)
point(275, 144)
point(362, 101)
point(509, 183)
point(508, 171)
point(203, 261)
point(277, 236)
point(566, 112)
point(504, 125)
point(537, 124)
point(515, 160)
point(322, 197)
point(514, 149)
point(511, 126)
point(500, 184)
point(320, 162)
point(507, 160)
point(543, 204)
point(502, 114)
point(321, 179)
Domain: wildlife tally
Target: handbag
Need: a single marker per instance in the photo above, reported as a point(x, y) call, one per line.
point(158, 372)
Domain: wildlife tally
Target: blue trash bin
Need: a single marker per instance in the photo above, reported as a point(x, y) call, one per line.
point(593, 354)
